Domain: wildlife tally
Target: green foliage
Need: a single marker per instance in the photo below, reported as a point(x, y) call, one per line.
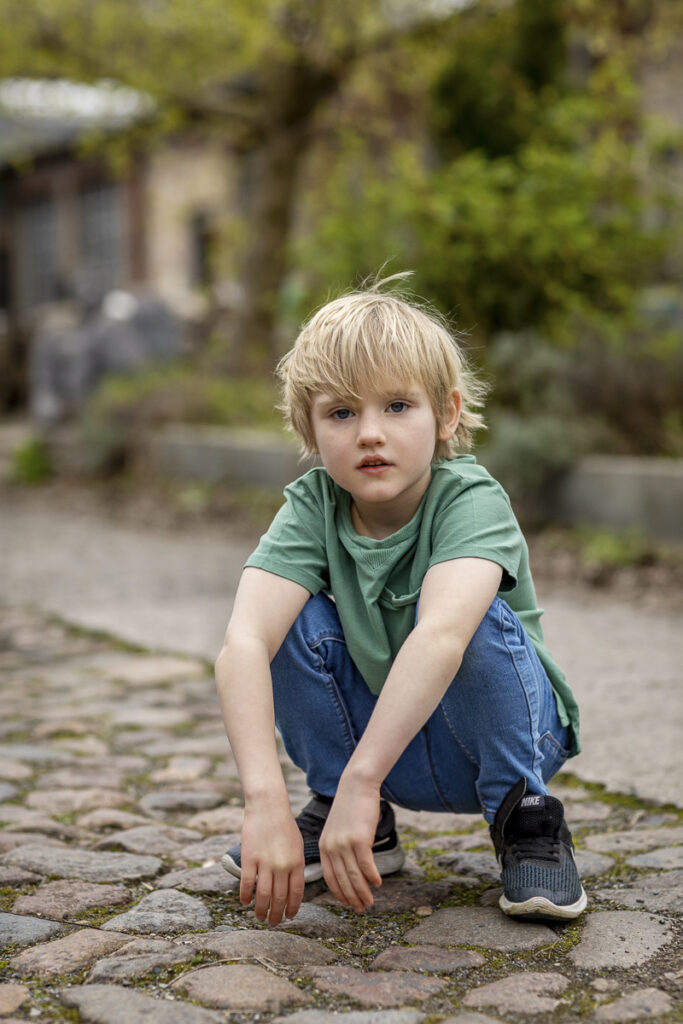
point(615, 550)
point(523, 51)
point(508, 243)
point(187, 394)
point(125, 407)
point(31, 463)
point(622, 394)
point(529, 455)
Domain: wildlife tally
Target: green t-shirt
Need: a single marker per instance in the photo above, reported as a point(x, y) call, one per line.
point(376, 583)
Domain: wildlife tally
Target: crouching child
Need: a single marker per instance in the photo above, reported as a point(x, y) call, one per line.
point(387, 625)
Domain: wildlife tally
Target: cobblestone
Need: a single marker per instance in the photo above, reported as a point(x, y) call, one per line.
point(317, 923)
point(480, 926)
point(167, 910)
point(138, 958)
point(16, 930)
point(426, 958)
point(666, 857)
point(620, 938)
point(352, 1017)
point(72, 953)
point(241, 989)
point(279, 948)
point(649, 892)
point(634, 839)
point(12, 997)
point(205, 879)
point(85, 864)
point(112, 1004)
point(527, 993)
point(400, 894)
point(646, 1003)
point(113, 831)
point(154, 839)
point(67, 901)
point(471, 1018)
point(380, 989)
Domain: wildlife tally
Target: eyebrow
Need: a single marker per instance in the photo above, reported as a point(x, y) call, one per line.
point(325, 399)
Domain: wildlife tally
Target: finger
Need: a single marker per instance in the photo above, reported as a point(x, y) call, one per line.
point(366, 863)
point(278, 900)
point(247, 882)
point(357, 871)
point(330, 877)
point(295, 893)
point(264, 885)
point(352, 883)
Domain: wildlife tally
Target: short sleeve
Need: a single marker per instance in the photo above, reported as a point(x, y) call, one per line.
point(478, 522)
point(294, 545)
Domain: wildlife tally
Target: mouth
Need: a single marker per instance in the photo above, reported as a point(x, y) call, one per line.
point(374, 464)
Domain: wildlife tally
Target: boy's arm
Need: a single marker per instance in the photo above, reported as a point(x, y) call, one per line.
point(454, 598)
point(272, 850)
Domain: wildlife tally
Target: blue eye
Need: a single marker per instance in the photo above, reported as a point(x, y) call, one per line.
point(341, 414)
point(398, 406)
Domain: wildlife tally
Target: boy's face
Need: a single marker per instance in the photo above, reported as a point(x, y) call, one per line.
point(380, 448)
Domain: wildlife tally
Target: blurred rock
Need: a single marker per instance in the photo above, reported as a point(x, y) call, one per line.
point(74, 350)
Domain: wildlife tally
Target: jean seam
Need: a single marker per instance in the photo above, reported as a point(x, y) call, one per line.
point(536, 762)
point(315, 642)
point(432, 774)
point(549, 735)
point(470, 757)
point(342, 710)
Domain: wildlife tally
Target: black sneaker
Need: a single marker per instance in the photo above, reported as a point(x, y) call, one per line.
point(536, 854)
point(386, 849)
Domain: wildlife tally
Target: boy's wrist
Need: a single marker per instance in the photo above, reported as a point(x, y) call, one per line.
point(271, 795)
point(361, 771)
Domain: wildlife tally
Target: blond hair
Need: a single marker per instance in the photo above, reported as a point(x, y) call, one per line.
point(367, 336)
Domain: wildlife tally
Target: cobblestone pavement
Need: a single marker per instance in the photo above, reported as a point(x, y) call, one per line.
point(118, 795)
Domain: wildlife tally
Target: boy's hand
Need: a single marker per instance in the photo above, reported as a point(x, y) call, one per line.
point(346, 843)
point(273, 860)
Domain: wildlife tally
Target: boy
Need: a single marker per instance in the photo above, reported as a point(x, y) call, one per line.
point(387, 624)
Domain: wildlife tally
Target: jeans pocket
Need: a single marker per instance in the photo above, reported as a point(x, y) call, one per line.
point(553, 753)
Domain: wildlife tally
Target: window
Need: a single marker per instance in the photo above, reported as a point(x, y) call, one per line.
point(202, 243)
point(38, 246)
point(100, 231)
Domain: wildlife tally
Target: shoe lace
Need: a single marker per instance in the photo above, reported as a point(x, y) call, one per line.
point(536, 847)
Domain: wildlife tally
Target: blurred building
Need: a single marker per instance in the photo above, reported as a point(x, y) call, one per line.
point(71, 230)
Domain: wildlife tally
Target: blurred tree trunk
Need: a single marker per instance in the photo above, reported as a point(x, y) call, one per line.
point(289, 102)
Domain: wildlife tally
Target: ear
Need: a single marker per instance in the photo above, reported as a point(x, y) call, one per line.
point(451, 417)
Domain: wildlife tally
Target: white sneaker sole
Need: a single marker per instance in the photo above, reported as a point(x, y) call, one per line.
point(540, 906)
point(387, 863)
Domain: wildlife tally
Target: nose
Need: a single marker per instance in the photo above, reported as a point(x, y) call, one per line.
point(370, 431)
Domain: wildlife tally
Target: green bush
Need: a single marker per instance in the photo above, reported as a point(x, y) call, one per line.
point(624, 393)
point(529, 455)
point(31, 463)
point(124, 408)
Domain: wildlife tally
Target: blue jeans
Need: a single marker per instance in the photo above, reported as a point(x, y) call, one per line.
point(496, 723)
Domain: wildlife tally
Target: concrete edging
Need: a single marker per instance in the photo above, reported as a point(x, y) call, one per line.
point(625, 492)
point(212, 454)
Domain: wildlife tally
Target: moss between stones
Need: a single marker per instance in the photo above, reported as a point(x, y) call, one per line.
point(600, 792)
